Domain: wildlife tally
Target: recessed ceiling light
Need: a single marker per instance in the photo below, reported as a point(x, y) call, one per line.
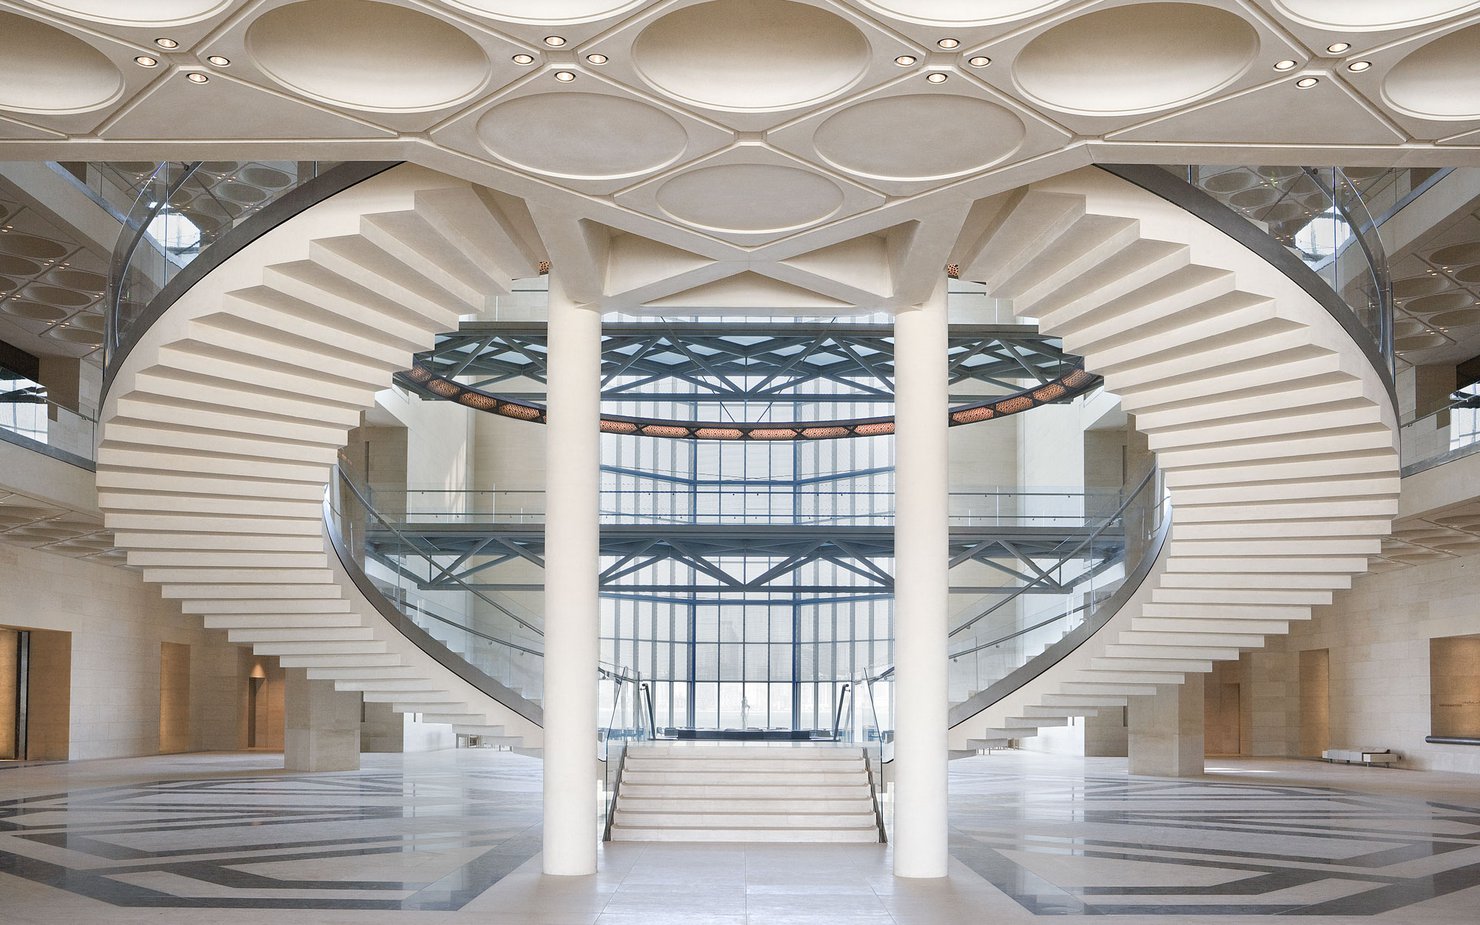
point(905, 60)
point(596, 58)
point(979, 61)
point(197, 77)
point(146, 61)
point(1285, 65)
point(1337, 48)
point(555, 41)
point(218, 60)
point(1359, 66)
point(1305, 83)
point(522, 58)
point(937, 77)
point(565, 76)
point(167, 43)
point(949, 43)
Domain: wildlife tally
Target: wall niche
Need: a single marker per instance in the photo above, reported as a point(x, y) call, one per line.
point(1454, 687)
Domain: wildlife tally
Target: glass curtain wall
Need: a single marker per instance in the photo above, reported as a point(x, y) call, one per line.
point(724, 645)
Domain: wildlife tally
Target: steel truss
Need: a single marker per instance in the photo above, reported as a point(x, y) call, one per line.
point(746, 362)
point(468, 556)
point(852, 358)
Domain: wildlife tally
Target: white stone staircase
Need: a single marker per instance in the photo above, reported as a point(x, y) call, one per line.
point(221, 427)
point(1276, 436)
point(760, 792)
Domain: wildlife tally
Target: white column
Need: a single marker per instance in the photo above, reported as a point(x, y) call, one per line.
point(572, 486)
point(321, 725)
point(1166, 731)
point(921, 559)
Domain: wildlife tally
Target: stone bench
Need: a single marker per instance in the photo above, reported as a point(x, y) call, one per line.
point(1380, 756)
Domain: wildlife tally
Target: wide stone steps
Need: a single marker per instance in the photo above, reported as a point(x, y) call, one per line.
point(1276, 437)
point(221, 426)
point(744, 793)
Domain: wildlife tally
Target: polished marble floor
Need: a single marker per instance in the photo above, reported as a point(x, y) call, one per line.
point(454, 837)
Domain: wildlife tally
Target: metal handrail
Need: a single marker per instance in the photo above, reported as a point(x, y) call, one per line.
point(1150, 475)
point(1189, 198)
point(369, 508)
point(479, 679)
point(1060, 649)
point(305, 196)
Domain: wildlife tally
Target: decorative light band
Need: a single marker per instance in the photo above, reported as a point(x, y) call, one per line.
point(426, 381)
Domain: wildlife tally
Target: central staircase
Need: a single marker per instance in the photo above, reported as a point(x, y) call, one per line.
point(688, 791)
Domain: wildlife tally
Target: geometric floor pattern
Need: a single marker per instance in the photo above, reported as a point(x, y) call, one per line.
point(1088, 844)
point(380, 839)
point(453, 837)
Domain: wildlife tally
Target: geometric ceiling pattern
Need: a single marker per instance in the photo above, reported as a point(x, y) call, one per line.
point(52, 282)
point(25, 521)
point(811, 155)
point(1447, 534)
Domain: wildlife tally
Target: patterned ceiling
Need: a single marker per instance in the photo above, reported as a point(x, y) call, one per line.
point(769, 147)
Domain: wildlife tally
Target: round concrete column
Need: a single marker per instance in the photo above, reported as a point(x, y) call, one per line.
point(572, 532)
point(921, 559)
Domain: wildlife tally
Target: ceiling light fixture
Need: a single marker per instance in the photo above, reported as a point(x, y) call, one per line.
point(1305, 83)
point(565, 76)
point(522, 58)
point(555, 41)
point(979, 61)
point(905, 60)
point(197, 77)
point(1285, 65)
point(937, 77)
point(218, 60)
point(597, 58)
point(949, 43)
point(146, 61)
point(167, 43)
point(1337, 48)
point(1359, 66)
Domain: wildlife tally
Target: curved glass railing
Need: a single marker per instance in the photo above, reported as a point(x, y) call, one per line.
point(1450, 433)
point(1001, 635)
point(719, 502)
point(29, 417)
point(1311, 223)
point(188, 217)
point(489, 642)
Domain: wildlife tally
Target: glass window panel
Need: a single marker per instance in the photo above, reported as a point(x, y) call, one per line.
point(780, 707)
point(757, 622)
point(730, 667)
point(781, 624)
point(706, 662)
point(730, 699)
point(781, 662)
point(706, 706)
point(757, 663)
point(731, 624)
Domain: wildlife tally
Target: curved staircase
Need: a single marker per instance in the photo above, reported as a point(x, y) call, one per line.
point(1276, 435)
point(221, 428)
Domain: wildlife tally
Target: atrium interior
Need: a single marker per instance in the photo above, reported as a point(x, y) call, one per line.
point(739, 461)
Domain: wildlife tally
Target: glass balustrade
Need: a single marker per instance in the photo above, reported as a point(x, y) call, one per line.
point(625, 710)
point(1321, 216)
point(1000, 633)
point(865, 720)
point(1006, 506)
point(1443, 435)
point(491, 632)
point(29, 417)
point(178, 210)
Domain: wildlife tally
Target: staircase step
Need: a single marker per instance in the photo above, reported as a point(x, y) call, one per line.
point(746, 834)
